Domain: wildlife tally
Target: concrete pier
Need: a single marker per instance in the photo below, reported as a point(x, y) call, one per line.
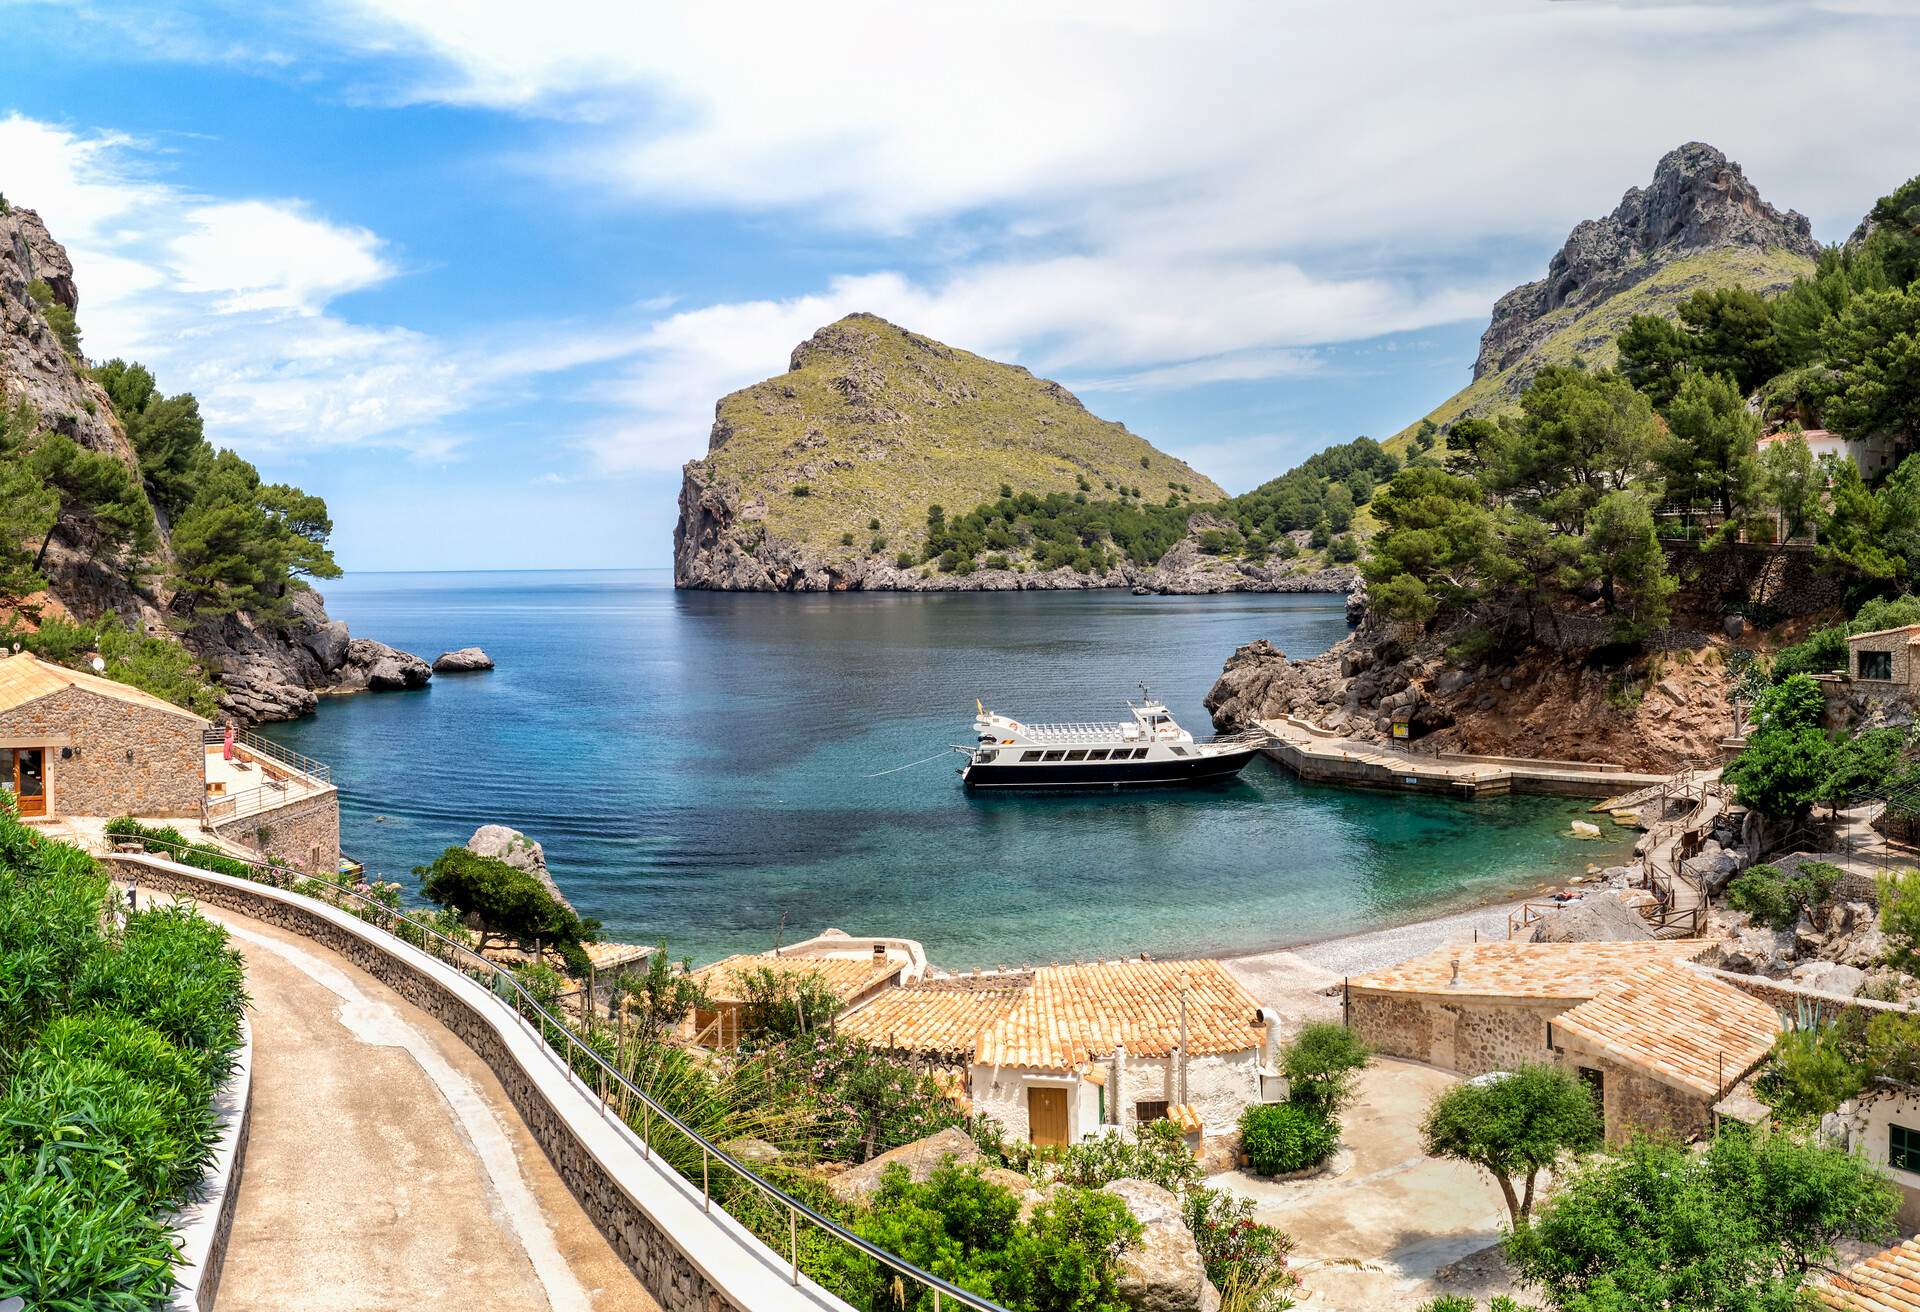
point(1320, 756)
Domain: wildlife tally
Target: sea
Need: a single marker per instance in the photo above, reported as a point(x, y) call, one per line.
point(723, 772)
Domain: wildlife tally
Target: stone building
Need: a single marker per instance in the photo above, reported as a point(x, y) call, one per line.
point(853, 969)
point(1660, 1041)
point(1883, 660)
point(1066, 1052)
point(79, 744)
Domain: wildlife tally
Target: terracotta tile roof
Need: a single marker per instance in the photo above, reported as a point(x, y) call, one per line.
point(929, 1019)
point(1885, 1282)
point(1077, 1014)
point(606, 956)
point(1678, 1025)
point(26, 678)
point(848, 977)
point(1570, 972)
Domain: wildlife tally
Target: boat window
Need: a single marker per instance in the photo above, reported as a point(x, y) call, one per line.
point(1030, 756)
point(985, 758)
point(1077, 754)
point(1139, 752)
point(1179, 751)
point(1097, 754)
point(1051, 756)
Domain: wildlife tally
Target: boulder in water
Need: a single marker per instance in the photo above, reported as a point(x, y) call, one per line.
point(465, 660)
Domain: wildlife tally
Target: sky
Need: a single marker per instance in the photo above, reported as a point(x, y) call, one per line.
point(477, 271)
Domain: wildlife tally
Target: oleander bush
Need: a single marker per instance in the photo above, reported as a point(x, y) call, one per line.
point(1282, 1137)
point(115, 1030)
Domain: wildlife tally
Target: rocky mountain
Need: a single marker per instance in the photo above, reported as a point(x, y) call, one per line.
point(817, 479)
point(1699, 224)
point(265, 671)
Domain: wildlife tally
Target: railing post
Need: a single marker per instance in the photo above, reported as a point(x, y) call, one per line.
point(706, 1197)
point(793, 1241)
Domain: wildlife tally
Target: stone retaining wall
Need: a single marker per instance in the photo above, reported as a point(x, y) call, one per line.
point(737, 1273)
point(304, 832)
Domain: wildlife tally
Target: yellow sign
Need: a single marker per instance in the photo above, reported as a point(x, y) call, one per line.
point(1401, 728)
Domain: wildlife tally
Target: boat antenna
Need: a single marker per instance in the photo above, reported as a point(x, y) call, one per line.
point(1145, 693)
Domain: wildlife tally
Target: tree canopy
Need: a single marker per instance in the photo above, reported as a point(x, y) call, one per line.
point(1514, 1127)
point(1734, 1229)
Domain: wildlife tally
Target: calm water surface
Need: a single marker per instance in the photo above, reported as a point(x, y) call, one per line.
point(699, 766)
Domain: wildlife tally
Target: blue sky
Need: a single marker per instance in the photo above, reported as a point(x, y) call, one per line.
point(476, 272)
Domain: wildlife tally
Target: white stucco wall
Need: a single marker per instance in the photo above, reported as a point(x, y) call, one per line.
point(1861, 1125)
point(1220, 1088)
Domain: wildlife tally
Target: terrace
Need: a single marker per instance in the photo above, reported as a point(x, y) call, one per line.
point(256, 776)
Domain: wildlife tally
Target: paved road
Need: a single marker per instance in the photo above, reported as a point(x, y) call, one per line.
point(386, 1168)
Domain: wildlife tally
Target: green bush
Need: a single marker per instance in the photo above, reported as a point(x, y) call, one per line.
point(966, 1229)
point(112, 1041)
point(1280, 1138)
point(1821, 652)
point(1777, 900)
point(1320, 1065)
point(1343, 550)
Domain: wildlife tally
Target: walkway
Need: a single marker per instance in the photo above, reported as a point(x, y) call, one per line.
point(1316, 754)
point(385, 1167)
point(1371, 1238)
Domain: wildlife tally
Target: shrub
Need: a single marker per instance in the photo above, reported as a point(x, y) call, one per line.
point(1777, 900)
point(1320, 1065)
point(801, 490)
point(846, 539)
point(967, 1230)
point(1344, 549)
point(1813, 1071)
point(1821, 652)
point(998, 561)
point(1792, 704)
point(1156, 1152)
point(1245, 1260)
point(1279, 1138)
point(903, 560)
point(110, 1048)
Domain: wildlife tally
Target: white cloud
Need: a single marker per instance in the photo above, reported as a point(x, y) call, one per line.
point(262, 255)
point(1244, 125)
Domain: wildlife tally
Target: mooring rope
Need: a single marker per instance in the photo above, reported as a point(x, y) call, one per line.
point(908, 766)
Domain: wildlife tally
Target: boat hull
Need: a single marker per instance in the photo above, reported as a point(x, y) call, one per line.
point(1110, 774)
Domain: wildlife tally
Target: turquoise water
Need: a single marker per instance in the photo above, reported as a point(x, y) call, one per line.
point(696, 765)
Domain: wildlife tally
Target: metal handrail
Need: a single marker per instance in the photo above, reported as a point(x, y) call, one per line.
point(709, 1152)
point(228, 806)
point(300, 761)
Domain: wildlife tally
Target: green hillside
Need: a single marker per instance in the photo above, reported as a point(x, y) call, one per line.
point(873, 424)
point(1590, 332)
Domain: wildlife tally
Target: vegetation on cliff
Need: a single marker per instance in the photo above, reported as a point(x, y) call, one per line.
point(1556, 504)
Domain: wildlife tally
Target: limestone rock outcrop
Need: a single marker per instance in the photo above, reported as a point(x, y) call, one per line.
point(517, 850)
point(266, 670)
point(1162, 1271)
point(464, 660)
point(1698, 200)
point(1596, 918)
point(921, 1158)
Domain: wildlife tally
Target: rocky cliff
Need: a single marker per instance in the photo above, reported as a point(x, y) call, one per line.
point(265, 672)
point(817, 480)
point(1699, 224)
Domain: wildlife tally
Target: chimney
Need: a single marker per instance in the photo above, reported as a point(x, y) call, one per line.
point(879, 952)
point(1454, 983)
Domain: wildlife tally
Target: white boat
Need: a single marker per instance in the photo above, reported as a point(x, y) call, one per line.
point(1148, 749)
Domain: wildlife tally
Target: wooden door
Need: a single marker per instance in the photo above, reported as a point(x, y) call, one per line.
point(27, 778)
point(1047, 1117)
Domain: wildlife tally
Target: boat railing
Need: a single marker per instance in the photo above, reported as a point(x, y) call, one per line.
point(1076, 731)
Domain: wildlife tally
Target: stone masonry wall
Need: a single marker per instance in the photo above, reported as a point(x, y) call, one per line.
point(651, 1253)
point(1636, 1103)
point(1894, 644)
point(1471, 1036)
point(304, 833)
point(126, 759)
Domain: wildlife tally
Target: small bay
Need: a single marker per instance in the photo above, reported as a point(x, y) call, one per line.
point(702, 767)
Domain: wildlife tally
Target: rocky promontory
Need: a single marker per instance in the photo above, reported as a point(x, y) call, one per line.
point(265, 670)
point(822, 479)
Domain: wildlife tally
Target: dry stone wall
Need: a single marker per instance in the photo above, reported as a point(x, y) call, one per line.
point(305, 833)
point(1471, 1036)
